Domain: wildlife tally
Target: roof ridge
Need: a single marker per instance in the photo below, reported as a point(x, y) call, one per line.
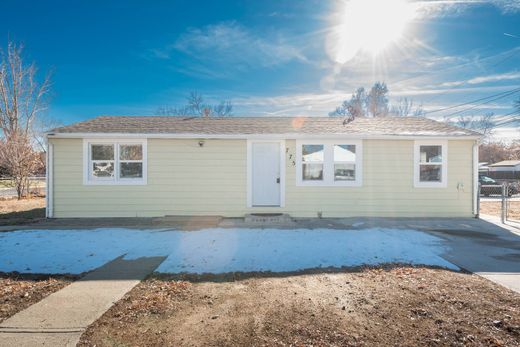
point(394, 126)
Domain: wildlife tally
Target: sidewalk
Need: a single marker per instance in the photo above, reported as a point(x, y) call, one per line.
point(511, 226)
point(61, 318)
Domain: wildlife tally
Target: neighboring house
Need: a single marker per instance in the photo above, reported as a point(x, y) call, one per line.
point(506, 165)
point(483, 168)
point(156, 166)
point(507, 169)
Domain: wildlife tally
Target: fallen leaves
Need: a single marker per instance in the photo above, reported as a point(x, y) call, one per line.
point(20, 291)
point(390, 305)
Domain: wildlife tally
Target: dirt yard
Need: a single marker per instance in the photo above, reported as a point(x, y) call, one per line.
point(22, 211)
point(399, 306)
point(17, 292)
point(494, 208)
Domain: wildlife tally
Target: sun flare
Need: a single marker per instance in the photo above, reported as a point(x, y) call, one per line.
point(368, 25)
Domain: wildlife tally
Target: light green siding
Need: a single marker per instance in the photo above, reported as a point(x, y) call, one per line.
point(186, 179)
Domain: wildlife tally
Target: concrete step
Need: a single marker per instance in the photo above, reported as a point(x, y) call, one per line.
point(268, 218)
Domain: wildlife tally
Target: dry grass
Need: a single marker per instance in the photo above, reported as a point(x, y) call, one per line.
point(22, 211)
point(494, 208)
point(17, 292)
point(14, 205)
point(394, 306)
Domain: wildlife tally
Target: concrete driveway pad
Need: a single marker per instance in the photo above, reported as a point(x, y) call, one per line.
point(218, 250)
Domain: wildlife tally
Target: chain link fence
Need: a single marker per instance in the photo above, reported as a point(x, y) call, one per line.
point(500, 200)
point(512, 202)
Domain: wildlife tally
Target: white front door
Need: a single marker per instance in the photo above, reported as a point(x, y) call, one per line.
point(265, 173)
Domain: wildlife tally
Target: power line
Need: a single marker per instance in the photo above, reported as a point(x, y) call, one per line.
point(510, 120)
point(512, 52)
point(509, 92)
point(483, 103)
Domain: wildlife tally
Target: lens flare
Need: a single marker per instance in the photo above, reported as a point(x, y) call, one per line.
point(368, 25)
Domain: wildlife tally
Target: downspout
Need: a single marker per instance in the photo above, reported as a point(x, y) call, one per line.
point(475, 179)
point(49, 180)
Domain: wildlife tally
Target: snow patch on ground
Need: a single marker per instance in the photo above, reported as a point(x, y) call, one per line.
point(216, 250)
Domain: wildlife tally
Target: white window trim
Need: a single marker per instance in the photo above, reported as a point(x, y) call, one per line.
point(444, 171)
point(328, 163)
point(89, 180)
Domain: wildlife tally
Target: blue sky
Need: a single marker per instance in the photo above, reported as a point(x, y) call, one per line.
point(267, 57)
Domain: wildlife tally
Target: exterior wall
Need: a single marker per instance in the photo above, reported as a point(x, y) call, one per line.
point(186, 179)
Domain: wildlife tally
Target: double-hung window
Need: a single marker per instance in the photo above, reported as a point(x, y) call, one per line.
point(430, 164)
point(312, 162)
point(102, 161)
point(115, 162)
point(344, 162)
point(328, 163)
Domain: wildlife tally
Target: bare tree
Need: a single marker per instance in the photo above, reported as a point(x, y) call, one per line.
point(21, 161)
point(196, 107)
point(405, 108)
point(373, 104)
point(377, 100)
point(355, 107)
point(22, 100)
point(484, 124)
point(493, 152)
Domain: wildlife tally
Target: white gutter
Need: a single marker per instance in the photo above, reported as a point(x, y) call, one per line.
point(475, 179)
point(49, 181)
point(261, 136)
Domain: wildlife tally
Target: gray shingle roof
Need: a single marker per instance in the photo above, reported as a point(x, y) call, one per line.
point(506, 163)
point(409, 126)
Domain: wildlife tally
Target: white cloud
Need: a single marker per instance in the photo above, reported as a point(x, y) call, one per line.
point(506, 134)
point(496, 77)
point(433, 8)
point(297, 104)
point(508, 76)
point(233, 44)
point(320, 104)
point(507, 6)
point(418, 91)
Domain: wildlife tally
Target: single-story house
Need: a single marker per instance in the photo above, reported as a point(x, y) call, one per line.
point(505, 165)
point(506, 169)
point(483, 168)
point(232, 166)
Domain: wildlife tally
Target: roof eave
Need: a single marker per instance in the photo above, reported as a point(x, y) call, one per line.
point(287, 136)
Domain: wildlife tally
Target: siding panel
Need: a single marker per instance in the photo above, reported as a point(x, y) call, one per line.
point(186, 179)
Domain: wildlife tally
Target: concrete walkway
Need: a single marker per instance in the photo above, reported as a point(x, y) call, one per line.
point(61, 318)
point(492, 250)
point(510, 279)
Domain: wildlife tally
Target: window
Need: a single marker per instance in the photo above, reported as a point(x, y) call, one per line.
point(130, 161)
point(328, 163)
point(430, 164)
point(102, 161)
point(115, 162)
point(344, 162)
point(312, 158)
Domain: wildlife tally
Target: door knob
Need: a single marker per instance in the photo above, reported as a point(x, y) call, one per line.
point(278, 180)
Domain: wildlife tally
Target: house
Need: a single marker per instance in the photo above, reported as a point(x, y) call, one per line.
point(506, 165)
point(483, 168)
point(232, 166)
point(507, 169)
